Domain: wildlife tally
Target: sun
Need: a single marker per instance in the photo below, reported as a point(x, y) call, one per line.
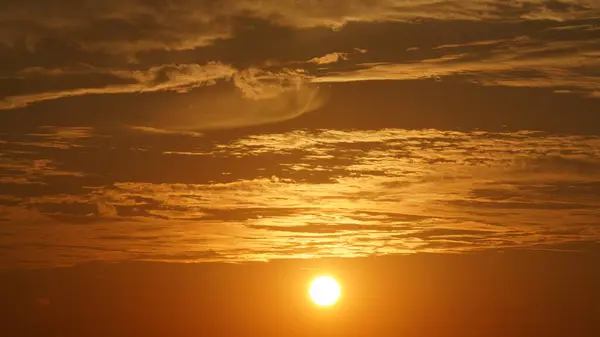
point(324, 291)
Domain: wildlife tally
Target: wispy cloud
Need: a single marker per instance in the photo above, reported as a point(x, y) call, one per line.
point(62, 132)
point(260, 96)
point(336, 57)
point(31, 171)
point(329, 58)
point(180, 78)
point(151, 130)
point(560, 64)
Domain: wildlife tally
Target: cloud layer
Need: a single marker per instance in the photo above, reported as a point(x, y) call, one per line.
point(60, 50)
point(322, 193)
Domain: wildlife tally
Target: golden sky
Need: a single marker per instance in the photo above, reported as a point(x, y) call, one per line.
point(186, 167)
point(258, 130)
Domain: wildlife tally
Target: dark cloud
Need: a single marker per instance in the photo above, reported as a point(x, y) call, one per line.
point(174, 46)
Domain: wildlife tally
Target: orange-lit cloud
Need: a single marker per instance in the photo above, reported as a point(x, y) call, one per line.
point(165, 77)
point(329, 58)
point(551, 64)
point(407, 192)
point(261, 97)
point(151, 130)
point(336, 57)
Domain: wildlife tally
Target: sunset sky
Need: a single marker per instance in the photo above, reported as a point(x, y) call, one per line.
point(184, 168)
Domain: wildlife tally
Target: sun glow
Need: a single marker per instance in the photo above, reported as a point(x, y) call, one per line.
point(324, 291)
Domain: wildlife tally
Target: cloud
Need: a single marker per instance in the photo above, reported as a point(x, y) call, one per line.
point(329, 58)
point(336, 57)
point(20, 170)
point(557, 64)
point(258, 84)
point(179, 78)
point(112, 26)
point(115, 27)
point(151, 130)
point(469, 44)
point(187, 67)
point(62, 132)
point(330, 228)
point(105, 209)
point(85, 48)
point(261, 97)
point(408, 191)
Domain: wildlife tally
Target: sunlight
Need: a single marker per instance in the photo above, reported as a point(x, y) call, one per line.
point(324, 291)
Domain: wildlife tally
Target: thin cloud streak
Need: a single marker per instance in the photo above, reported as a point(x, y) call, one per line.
point(180, 78)
point(503, 65)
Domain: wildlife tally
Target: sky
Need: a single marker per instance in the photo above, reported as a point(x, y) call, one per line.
point(426, 152)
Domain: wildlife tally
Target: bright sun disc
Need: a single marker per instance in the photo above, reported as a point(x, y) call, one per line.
point(324, 291)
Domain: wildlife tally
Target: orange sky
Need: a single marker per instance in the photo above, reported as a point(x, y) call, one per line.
point(139, 135)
